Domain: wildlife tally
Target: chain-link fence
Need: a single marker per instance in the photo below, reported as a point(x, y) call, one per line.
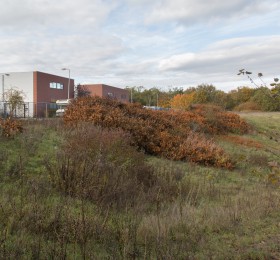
point(28, 109)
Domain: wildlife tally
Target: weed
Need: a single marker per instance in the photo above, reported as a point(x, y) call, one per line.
point(86, 193)
point(102, 166)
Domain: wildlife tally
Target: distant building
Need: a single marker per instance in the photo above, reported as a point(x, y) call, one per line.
point(106, 91)
point(39, 88)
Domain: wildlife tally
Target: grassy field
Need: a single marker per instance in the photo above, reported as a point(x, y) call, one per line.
point(51, 208)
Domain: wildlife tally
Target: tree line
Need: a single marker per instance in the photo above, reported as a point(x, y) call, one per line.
point(243, 98)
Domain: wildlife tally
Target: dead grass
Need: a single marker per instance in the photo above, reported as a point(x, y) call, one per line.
point(246, 141)
point(210, 213)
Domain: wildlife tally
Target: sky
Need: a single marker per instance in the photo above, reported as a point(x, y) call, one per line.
point(149, 43)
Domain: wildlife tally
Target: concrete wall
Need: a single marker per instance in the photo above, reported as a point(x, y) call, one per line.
point(36, 86)
point(22, 81)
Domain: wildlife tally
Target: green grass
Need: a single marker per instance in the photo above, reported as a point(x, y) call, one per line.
point(267, 127)
point(216, 214)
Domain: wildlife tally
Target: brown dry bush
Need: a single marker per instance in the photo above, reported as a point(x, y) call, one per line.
point(162, 133)
point(219, 121)
point(10, 127)
point(101, 165)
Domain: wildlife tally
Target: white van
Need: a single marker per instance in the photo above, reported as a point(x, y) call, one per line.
point(62, 104)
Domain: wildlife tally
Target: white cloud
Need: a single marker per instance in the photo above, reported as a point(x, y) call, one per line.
point(192, 11)
point(141, 42)
point(219, 63)
point(257, 53)
point(29, 14)
point(44, 53)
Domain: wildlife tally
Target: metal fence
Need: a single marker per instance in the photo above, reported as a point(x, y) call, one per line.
point(28, 109)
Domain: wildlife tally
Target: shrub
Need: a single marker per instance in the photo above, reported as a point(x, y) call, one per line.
point(10, 127)
point(218, 121)
point(101, 165)
point(248, 106)
point(160, 133)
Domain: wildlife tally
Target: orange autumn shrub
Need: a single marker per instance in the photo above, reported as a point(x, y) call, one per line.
point(10, 127)
point(219, 121)
point(170, 134)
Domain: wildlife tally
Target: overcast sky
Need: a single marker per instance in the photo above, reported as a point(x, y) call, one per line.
point(150, 43)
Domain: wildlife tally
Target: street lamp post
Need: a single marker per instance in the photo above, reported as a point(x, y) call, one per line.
point(3, 86)
point(68, 81)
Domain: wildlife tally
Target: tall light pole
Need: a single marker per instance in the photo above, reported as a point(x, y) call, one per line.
point(68, 81)
point(3, 86)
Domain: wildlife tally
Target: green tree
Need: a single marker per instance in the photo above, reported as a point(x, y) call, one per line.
point(276, 88)
point(241, 95)
point(136, 94)
point(189, 90)
point(222, 99)
point(151, 96)
point(204, 93)
point(265, 100)
point(14, 99)
point(146, 97)
point(175, 91)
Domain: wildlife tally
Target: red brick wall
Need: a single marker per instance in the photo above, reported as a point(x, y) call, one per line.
point(43, 92)
point(94, 89)
point(105, 91)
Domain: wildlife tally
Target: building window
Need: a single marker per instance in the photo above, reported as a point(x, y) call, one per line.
point(123, 96)
point(59, 86)
point(56, 85)
point(110, 94)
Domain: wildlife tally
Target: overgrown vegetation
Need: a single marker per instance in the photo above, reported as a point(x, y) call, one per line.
point(174, 135)
point(86, 193)
point(100, 165)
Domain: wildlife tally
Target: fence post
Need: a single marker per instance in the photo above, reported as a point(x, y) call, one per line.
point(47, 110)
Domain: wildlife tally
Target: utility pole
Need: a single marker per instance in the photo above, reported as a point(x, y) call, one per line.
point(68, 82)
point(3, 86)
